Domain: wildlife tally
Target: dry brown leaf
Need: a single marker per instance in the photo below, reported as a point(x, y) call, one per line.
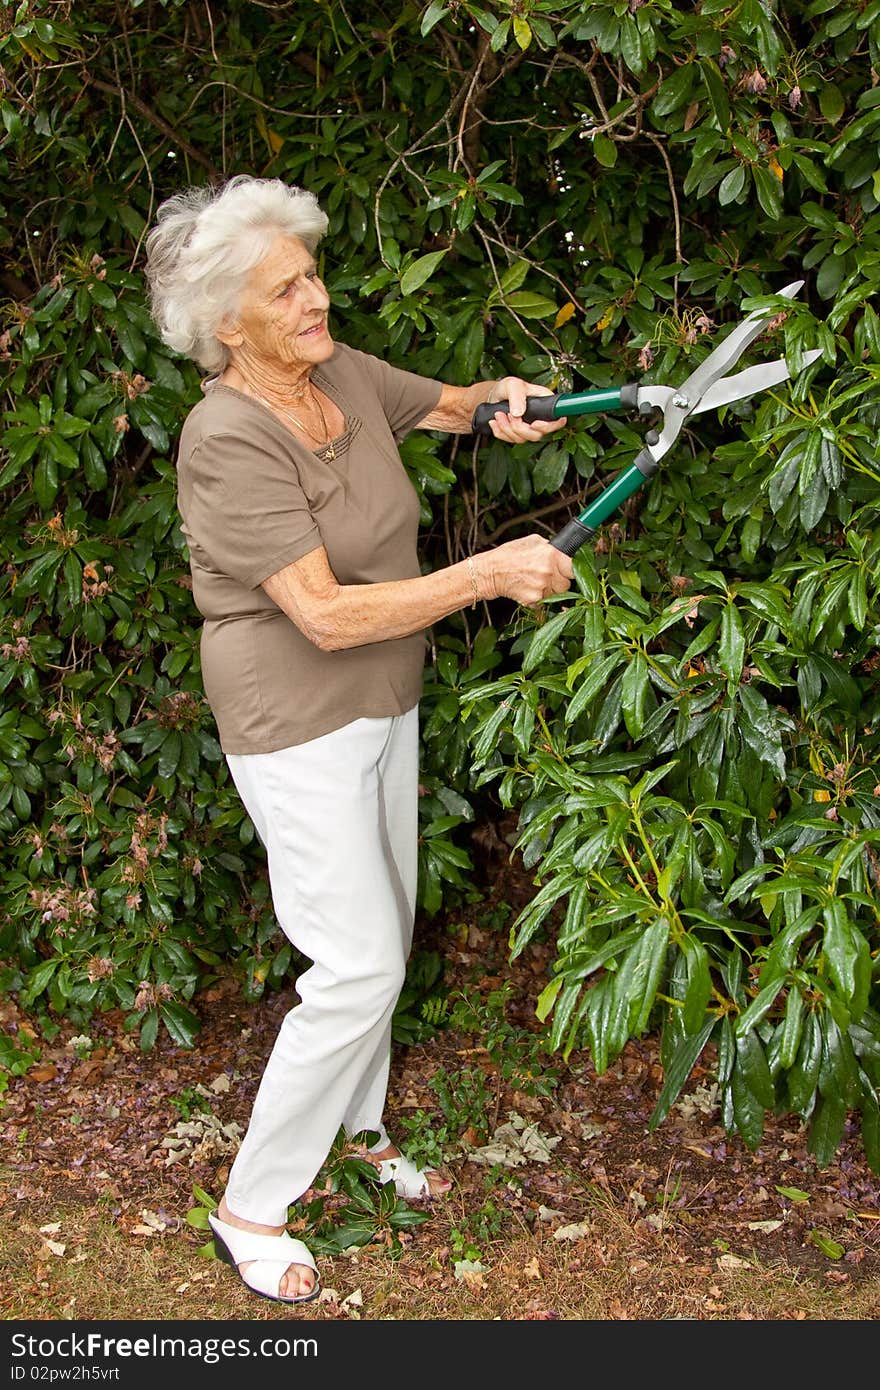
point(533, 1269)
point(731, 1262)
point(470, 1272)
point(45, 1073)
point(576, 1231)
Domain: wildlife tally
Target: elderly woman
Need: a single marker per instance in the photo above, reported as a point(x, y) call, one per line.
point(302, 527)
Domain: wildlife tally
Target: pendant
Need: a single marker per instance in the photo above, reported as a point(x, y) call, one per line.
point(331, 453)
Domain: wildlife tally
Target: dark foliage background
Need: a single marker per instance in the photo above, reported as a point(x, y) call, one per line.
point(582, 194)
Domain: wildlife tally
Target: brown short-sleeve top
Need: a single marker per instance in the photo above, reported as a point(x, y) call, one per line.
point(253, 499)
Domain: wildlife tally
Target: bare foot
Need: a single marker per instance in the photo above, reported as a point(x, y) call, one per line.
point(436, 1184)
point(297, 1280)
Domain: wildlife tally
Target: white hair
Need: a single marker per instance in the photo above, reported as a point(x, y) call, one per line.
point(204, 245)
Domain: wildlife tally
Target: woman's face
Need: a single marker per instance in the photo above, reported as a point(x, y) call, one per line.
point(282, 317)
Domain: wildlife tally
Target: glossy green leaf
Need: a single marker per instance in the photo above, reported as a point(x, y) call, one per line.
point(752, 1066)
point(791, 1029)
point(546, 637)
point(678, 1071)
point(841, 950)
point(748, 1110)
point(826, 1128)
point(419, 271)
point(732, 647)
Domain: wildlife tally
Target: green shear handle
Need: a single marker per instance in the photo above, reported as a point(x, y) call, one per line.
point(557, 407)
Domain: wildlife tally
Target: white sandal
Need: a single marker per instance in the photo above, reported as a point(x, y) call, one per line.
point(273, 1255)
point(409, 1181)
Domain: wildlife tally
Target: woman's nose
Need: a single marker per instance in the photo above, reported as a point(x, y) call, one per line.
point(318, 296)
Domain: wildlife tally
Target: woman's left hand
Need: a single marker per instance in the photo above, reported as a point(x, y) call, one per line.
point(510, 427)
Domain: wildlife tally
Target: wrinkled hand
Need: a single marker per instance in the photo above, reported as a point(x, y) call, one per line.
point(510, 427)
point(529, 570)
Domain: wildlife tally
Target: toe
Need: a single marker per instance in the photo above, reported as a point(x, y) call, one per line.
point(297, 1282)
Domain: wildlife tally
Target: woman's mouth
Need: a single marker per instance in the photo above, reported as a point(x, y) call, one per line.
point(311, 332)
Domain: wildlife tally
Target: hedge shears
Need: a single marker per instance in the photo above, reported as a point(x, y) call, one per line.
point(707, 388)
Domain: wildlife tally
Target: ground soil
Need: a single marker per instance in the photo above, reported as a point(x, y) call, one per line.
point(612, 1221)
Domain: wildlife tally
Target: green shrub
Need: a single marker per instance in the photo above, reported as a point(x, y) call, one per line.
point(583, 194)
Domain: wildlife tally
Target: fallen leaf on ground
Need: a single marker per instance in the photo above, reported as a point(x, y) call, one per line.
point(515, 1143)
point(824, 1242)
point(470, 1272)
point(533, 1269)
point(591, 1130)
point(577, 1231)
point(154, 1218)
point(731, 1262)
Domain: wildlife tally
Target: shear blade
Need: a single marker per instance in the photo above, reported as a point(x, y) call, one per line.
point(749, 382)
point(733, 347)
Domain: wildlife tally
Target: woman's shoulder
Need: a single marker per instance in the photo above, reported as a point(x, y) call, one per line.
point(222, 413)
point(353, 370)
point(347, 362)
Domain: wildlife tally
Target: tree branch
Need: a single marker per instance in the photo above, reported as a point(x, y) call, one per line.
point(150, 115)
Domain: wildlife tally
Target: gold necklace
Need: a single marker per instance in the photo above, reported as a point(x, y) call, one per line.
point(328, 446)
point(325, 442)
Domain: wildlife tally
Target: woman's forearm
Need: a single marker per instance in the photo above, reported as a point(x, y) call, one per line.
point(335, 616)
point(455, 409)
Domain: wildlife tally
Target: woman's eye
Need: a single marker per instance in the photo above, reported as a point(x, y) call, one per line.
point(289, 289)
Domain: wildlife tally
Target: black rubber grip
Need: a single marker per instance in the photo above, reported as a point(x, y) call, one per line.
point(629, 397)
point(646, 463)
point(537, 408)
point(572, 537)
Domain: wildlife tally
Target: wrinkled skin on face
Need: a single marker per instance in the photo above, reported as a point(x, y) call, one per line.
point(280, 330)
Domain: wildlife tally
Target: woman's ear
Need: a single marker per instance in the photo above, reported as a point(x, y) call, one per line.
point(229, 334)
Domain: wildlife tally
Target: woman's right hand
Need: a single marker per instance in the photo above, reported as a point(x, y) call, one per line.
point(528, 570)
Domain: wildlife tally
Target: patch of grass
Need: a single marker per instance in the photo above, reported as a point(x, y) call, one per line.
point(106, 1272)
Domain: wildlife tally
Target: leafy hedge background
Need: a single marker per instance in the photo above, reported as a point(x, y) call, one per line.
point(582, 194)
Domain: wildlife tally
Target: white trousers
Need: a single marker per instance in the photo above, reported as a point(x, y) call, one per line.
point(338, 817)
